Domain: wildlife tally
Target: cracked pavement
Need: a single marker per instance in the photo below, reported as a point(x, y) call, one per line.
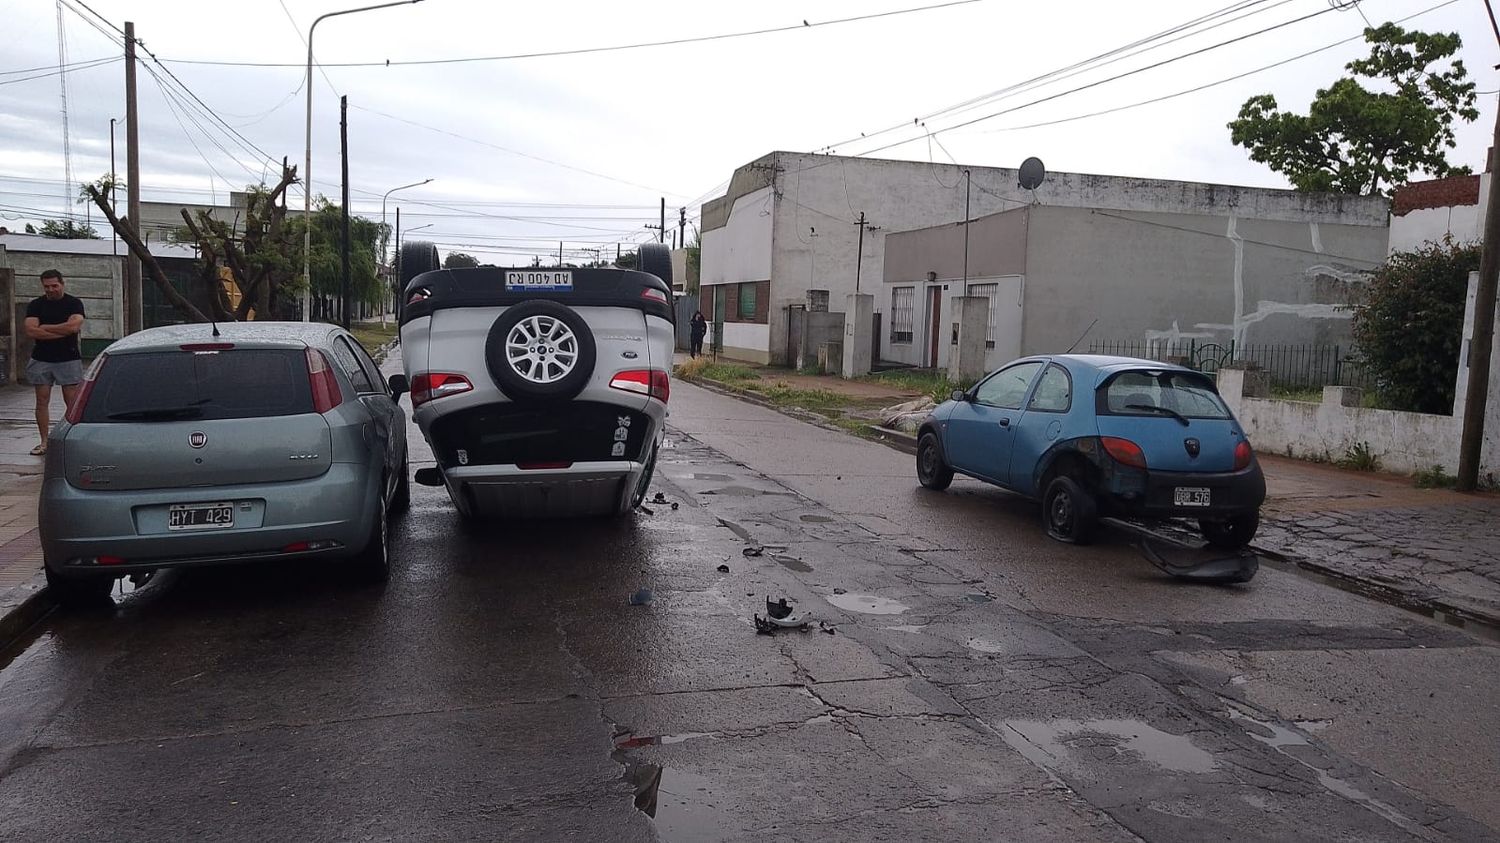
point(981, 682)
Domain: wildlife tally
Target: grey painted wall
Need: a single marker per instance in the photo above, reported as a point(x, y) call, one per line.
point(1159, 276)
point(997, 246)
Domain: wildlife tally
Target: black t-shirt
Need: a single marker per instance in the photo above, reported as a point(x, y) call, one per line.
point(49, 312)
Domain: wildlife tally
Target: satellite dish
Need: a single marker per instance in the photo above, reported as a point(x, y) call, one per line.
point(1033, 173)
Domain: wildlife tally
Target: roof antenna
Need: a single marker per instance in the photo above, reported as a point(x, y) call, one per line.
point(1081, 336)
point(214, 322)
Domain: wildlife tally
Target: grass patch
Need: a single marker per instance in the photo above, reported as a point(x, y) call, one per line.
point(372, 337)
point(782, 394)
point(1309, 394)
point(929, 382)
point(729, 373)
point(1434, 478)
point(1359, 457)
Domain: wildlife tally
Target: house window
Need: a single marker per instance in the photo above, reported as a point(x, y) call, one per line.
point(903, 314)
point(989, 291)
point(747, 302)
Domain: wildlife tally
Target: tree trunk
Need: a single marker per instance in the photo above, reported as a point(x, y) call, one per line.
point(126, 230)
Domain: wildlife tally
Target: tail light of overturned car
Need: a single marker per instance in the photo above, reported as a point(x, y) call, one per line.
point(325, 387)
point(91, 377)
point(653, 382)
point(1124, 451)
point(1242, 455)
point(431, 385)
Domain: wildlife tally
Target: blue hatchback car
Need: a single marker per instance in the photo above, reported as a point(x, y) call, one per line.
point(1093, 436)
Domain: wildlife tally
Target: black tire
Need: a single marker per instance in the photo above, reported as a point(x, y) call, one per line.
point(79, 592)
point(1232, 533)
point(517, 386)
point(643, 486)
point(656, 259)
point(416, 258)
point(401, 498)
point(373, 562)
point(932, 471)
point(1069, 513)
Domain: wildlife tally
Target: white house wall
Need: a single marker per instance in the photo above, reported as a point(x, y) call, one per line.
point(741, 250)
point(1465, 223)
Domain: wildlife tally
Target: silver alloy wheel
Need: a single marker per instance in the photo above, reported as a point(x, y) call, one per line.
point(541, 349)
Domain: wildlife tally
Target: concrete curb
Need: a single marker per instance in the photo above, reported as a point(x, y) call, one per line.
point(22, 607)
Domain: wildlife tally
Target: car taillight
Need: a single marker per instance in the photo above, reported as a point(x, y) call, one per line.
point(543, 466)
point(75, 412)
point(207, 346)
point(1242, 455)
point(652, 382)
point(419, 294)
point(654, 294)
point(1124, 451)
point(430, 385)
point(325, 387)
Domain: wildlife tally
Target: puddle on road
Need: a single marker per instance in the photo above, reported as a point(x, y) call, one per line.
point(682, 805)
point(978, 598)
point(1282, 737)
point(869, 604)
point(983, 646)
point(717, 478)
point(740, 492)
point(914, 629)
point(818, 519)
point(792, 563)
point(1050, 743)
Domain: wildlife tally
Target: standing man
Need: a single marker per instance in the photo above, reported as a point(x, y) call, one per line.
point(53, 321)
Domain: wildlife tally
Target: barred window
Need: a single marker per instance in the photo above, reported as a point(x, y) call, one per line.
point(902, 313)
point(747, 302)
point(989, 291)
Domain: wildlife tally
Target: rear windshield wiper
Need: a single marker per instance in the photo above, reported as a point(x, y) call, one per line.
point(187, 411)
point(1156, 409)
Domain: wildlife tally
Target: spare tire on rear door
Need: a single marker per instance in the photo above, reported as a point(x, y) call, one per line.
point(656, 259)
point(540, 351)
point(416, 257)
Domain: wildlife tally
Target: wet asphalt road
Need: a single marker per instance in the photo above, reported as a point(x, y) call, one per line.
point(981, 683)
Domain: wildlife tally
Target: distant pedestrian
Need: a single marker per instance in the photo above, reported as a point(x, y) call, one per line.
point(700, 328)
point(54, 321)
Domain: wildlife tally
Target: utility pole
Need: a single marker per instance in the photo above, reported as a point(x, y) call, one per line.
point(682, 227)
point(1480, 345)
point(966, 232)
point(617, 253)
point(114, 246)
point(400, 284)
point(859, 252)
point(132, 297)
point(559, 254)
point(662, 229)
point(344, 153)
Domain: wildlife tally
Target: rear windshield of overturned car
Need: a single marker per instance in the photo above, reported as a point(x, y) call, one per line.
point(183, 385)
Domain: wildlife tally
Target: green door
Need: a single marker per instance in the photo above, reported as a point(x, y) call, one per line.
point(717, 345)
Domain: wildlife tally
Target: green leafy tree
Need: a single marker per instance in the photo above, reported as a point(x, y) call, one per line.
point(327, 257)
point(1409, 326)
point(1359, 140)
point(65, 230)
point(459, 260)
point(628, 260)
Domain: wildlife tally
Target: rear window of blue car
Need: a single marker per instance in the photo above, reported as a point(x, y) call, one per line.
point(239, 383)
point(1149, 393)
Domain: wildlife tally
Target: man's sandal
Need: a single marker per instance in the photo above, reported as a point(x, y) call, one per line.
point(39, 450)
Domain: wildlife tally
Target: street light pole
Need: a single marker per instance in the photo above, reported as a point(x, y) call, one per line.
point(114, 246)
point(307, 157)
point(385, 239)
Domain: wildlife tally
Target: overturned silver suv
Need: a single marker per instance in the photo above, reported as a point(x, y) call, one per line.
point(543, 392)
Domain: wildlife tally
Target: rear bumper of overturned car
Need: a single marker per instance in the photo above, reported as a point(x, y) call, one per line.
point(513, 491)
point(1153, 494)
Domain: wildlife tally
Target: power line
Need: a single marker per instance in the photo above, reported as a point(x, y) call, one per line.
point(1091, 63)
point(1223, 81)
point(72, 68)
point(1097, 83)
point(518, 152)
point(54, 67)
point(588, 50)
point(1248, 241)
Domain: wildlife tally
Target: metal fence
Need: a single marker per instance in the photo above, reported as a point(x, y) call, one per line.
point(1308, 366)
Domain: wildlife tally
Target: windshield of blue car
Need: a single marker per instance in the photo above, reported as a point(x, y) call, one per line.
point(1161, 393)
point(183, 385)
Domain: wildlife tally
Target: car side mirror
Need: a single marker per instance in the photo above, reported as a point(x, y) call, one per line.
point(959, 395)
point(398, 385)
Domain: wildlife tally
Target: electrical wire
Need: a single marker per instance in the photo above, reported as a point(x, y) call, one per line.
point(1093, 63)
point(1223, 81)
point(515, 151)
point(66, 69)
point(1218, 236)
point(591, 50)
point(67, 66)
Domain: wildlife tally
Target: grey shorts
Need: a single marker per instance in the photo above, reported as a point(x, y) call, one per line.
point(67, 373)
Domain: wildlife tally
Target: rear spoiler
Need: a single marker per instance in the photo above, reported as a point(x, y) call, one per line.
point(500, 287)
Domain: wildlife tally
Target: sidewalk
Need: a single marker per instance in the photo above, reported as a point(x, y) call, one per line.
point(1431, 550)
point(21, 581)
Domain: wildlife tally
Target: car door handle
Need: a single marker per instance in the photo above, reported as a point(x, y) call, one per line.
point(1005, 422)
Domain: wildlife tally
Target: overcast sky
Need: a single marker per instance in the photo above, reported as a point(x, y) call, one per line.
point(525, 152)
